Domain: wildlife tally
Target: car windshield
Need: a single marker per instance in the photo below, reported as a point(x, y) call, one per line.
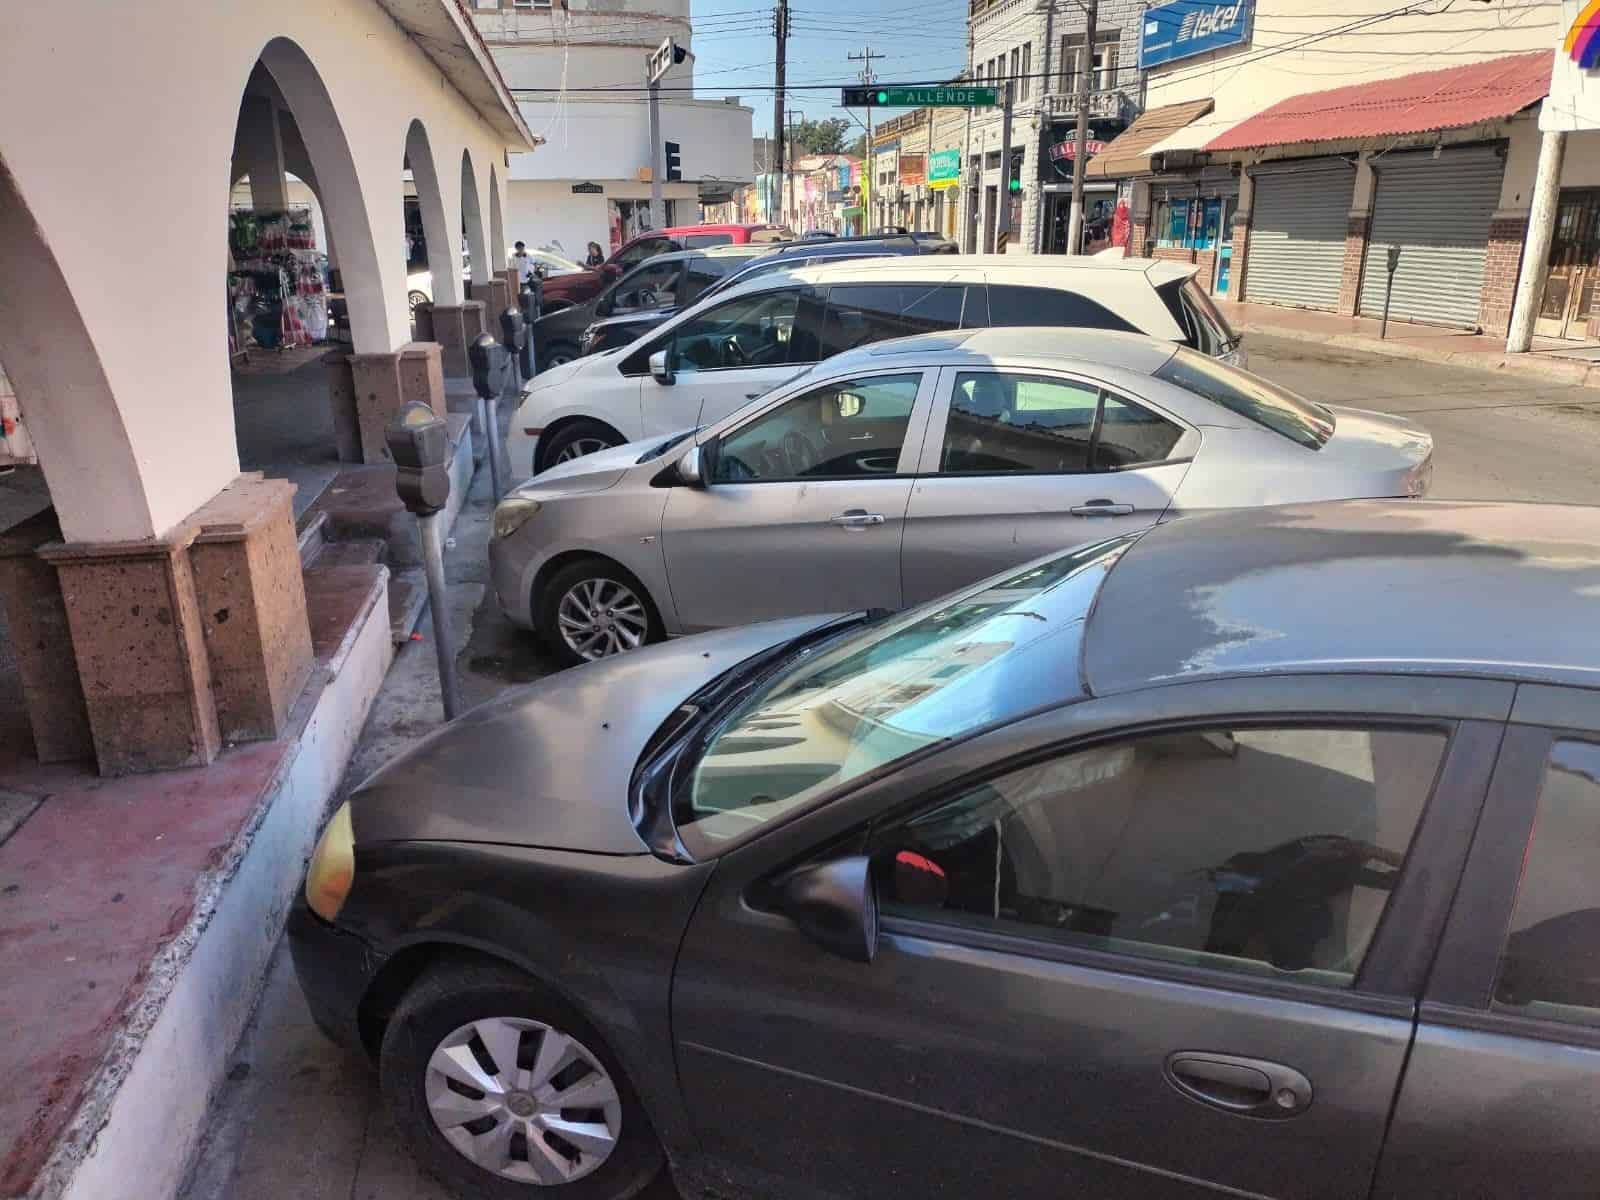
point(660, 448)
point(1251, 397)
point(991, 653)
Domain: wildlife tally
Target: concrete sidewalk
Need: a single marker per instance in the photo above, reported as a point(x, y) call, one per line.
point(1576, 363)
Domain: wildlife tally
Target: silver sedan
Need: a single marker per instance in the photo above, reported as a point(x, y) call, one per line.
point(888, 475)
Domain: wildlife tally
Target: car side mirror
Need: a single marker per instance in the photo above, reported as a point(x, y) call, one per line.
point(834, 904)
point(661, 368)
point(691, 468)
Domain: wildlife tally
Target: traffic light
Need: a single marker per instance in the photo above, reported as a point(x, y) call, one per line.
point(674, 164)
point(1015, 185)
point(864, 97)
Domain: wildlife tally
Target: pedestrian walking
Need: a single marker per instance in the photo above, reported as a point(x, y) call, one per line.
point(596, 258)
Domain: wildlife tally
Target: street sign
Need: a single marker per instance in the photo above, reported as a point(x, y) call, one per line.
point(663, 57)
point(892, 96)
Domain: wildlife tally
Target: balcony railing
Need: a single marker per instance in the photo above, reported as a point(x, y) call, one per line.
point(1103, 105)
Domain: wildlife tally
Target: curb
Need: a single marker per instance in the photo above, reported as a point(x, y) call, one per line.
point(1568, 371)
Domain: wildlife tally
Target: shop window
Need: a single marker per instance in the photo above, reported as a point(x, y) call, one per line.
point(1172, 224)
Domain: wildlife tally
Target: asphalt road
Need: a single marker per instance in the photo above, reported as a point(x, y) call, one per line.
point(300, 1117)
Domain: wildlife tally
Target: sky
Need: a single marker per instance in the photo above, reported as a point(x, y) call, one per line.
point(734, 47)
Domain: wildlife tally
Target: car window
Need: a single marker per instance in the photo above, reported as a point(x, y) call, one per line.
point(654, 285)
point(844, 430)
point(1251, 397)
point(1271, 851)
point(1131, 435)
point(704, 274)
point(751, 331)
point(1011, 304)
point(1550, 964)
point(862, 313)
point(1011, 424)
point(777, 234)
point(990, 653)
point(641, 250)
point(699, 241)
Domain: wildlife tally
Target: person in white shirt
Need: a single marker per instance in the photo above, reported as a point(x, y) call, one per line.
point(524, 262)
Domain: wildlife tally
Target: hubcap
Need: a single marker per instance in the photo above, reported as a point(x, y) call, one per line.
point(600, 617)
point(579, 447)
point(523, 1100)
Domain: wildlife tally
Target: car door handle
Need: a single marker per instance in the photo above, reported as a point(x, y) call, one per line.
point(1101, 508)
point(856, 518)
point(1249, 1087)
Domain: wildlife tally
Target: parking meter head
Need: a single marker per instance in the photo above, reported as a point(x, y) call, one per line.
point(512, 329)
point(419, 442)
point(479, 354)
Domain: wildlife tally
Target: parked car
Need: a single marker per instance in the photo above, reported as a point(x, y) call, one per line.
point(609, 333)
point(640, 300)
point(586, 285)
point(1251, 855)
point(891, 473)
point(710, 359)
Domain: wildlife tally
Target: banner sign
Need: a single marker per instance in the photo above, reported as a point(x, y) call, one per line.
point(913, 168)
point(1185, 28)
point(944, 169)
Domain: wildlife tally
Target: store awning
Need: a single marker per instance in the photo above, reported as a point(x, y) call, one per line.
point(1129, 152)
point(1420, 103)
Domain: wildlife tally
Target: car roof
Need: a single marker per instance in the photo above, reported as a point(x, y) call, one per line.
point(1024, 268)
point(1472, 588)
point(1036, 346)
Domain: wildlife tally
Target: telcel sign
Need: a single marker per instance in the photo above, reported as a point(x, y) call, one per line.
point(1185, 28)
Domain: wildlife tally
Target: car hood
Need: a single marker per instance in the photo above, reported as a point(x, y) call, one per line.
point(556, 376)
point(591, 473)
point(560, 286)
point(549, 764)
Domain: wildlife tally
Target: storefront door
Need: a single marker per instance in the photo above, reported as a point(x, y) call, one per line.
point(1572, 289)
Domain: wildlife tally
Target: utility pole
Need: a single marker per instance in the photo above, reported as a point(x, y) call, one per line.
point(1091, 11)
point(790, 115)
point(867, 80)
point(780, 30)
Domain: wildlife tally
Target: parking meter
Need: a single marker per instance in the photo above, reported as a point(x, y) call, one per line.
point(419, 441)
point(1388, 291)
point(481, 355)
point(513, 334)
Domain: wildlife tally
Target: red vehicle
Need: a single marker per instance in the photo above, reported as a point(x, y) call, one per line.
point(563, 291)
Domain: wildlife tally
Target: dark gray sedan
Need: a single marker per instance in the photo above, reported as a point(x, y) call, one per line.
point(1250, 855)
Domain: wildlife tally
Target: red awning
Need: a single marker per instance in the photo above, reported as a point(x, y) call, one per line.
point(1429, 100)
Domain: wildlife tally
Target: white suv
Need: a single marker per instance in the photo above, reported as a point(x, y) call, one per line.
point(712, 358)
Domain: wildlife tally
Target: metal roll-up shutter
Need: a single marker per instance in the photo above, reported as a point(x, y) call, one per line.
point(1297, 228)
point(1437, 211)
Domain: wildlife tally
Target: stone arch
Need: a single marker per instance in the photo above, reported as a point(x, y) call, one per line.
point(497, 225)
point(443, 260)
point(72, 415)
point(379, 319)
point(472, 221)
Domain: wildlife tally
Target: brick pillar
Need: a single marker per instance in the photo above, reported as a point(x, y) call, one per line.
point(342, 404)
point(513, 284)
point(1501, 269)
point(1357, 225)
point(454, 327)
point(383, 382)
point(140, 651)
point(246, 565)
point(496, 299)
point(42, 642)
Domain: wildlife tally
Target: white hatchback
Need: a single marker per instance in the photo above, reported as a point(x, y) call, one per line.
point(715, 357)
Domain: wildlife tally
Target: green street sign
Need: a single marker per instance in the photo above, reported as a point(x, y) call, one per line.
point(920, 97)
point(944, 168)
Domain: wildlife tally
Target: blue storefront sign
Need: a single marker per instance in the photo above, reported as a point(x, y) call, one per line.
point(1185, 28)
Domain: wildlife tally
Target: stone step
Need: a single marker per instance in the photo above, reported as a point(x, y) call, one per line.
point(356, 552)
point(313, 536)
point(408, 596)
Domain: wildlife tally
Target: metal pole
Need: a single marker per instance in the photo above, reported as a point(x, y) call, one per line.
point(1085, 71)
point(658, 212)
point(1002, 221)
point(491, 433)
point(1536, 249)
point(443, 639)
point(780, 30)
point(1388, 293)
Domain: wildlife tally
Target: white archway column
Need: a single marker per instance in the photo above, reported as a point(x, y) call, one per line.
point(260, 146)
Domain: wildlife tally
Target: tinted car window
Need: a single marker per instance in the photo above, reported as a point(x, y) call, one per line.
point(704, 274)
point(653, 285)
point(699, 241)
point(751, 331)
point(1251, 397)
point(1130, 435)
point(777, 234)
point(1018, 424)
point(1550, 966)
point(862, 313)
point(1268, 851)
point(1010, 304)
point(844, 430)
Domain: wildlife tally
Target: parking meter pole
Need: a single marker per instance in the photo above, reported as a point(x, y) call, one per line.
point(481, 355)
point(418, 439)
point(432, 536)
point(1388, 290)
point(491, 405)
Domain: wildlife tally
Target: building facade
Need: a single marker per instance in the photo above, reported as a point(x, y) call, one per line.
point(1304, 159)
point(917, 174)
point(595, 183)
point(1041, 51)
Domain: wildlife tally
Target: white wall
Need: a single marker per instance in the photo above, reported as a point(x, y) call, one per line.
point(608, 139)
point(541, 212)
point(135, 445)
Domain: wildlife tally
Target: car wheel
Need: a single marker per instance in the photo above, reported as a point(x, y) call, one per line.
point(558, 353)
point(576, 440)
point(592, 609)
point(501, 1090)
